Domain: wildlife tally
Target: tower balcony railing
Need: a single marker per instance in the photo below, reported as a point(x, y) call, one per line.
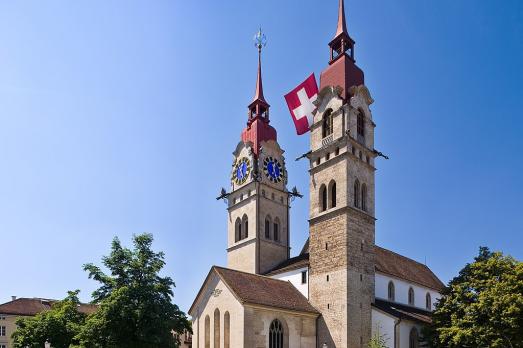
point(327, 140)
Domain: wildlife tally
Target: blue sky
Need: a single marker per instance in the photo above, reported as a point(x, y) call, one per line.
point(120, 117)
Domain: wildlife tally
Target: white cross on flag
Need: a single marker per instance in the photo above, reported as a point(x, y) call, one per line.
point(300, 102)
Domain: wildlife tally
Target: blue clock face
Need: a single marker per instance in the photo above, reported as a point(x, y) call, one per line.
point(273, 169)
point(241, 170)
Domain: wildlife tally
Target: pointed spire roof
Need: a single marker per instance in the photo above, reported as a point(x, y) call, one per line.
point(258, 94)
point(258, 128)
point(342, 24)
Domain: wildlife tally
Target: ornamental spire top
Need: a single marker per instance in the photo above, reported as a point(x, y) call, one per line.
point(342, 24)
point(260, 40)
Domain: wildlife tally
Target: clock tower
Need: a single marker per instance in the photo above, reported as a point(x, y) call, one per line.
point(258, 204)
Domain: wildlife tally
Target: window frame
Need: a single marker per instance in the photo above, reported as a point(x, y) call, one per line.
point(327, 123)
point(411, 297)
point(276, 334)
point(391, 291)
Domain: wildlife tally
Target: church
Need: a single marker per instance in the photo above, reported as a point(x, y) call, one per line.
point(341, 289)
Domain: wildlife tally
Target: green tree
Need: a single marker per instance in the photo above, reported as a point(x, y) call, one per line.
point(482, 306)
point(135, 302)
point(58, 326)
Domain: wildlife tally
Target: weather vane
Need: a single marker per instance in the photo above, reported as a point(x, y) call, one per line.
point(260, 40)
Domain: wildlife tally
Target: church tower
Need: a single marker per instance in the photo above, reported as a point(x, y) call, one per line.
point(342, 199)
point(258, 204)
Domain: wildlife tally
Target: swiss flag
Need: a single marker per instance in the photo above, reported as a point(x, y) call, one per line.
point(300, 102)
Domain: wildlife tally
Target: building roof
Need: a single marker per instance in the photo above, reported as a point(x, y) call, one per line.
point(402, 311)
point(256, 289)
point(291, 264)
point(387, 262)
point(396, 265)
point(32, 306)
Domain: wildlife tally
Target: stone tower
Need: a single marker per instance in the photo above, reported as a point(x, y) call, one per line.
point(342, 199)
point(258, 204)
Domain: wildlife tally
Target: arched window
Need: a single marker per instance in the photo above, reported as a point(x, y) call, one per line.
point(357, 193)
point(216, 328)
point(268, 227)
point(276, 334)
point(428, 301)
point(392, 294)
point(245, 223)
point(413, 338)
point(364, 197)
point(226, 330)
point(323, 198)
point(327, 123)
point(237, 230)
point(207, 332)
point(360, 126)
point(411, 296)
point(332, 194)
point(276, 229)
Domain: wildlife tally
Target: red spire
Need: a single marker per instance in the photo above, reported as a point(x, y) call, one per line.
point(342, 70)
point(258, 128)
point(258, 95)
point(342, 25)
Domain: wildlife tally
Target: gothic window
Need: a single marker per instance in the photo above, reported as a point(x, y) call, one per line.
point(327, 123)
point(364, 197)
point(276, 229)
point(411, 296)
point(413, 338)
point(237, 230)
point(268, 227)
point(391, 291)
point(323, 198)
point(245, 222)
point(216, 328)
point(332, 194)
point(360, 126)
point(357, 193)
point(428, 301)
point(226, 330)
point(207, 332)
point(276, 334)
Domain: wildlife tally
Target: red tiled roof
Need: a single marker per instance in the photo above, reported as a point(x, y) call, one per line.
point(387, 262)
point(256, 289)
point(394, 264)
point(32, 306)
point(26, 306)
point(403, 311)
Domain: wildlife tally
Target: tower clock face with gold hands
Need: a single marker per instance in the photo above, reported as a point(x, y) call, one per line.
point(241, 170)
point(273, 169)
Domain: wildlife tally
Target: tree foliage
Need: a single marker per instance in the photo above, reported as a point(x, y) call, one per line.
point(58, 326)
point(135, 302)
point(135, 308)
point(482, 306)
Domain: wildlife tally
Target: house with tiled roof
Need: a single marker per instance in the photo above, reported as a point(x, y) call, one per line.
point(342, 289)
point(26, 307)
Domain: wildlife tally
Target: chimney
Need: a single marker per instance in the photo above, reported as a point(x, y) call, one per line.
point(13, 298)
